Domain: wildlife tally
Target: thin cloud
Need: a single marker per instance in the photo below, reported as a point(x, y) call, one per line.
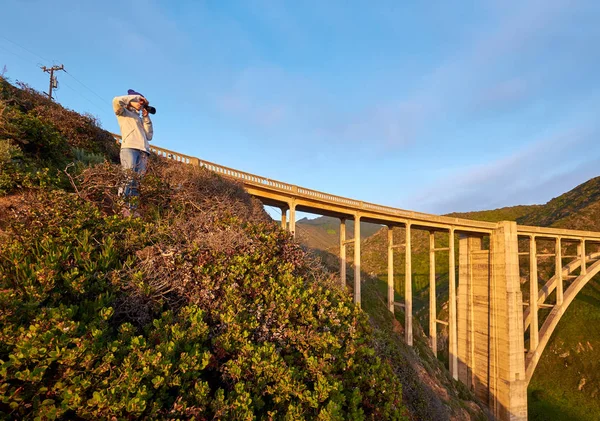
point(503, 94)
point(528, 176)
point(465, 81)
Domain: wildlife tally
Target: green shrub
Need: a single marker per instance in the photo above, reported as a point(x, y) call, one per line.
point(31, 118)
point(36, 138)
point(47, 137)
point(9, 155)
point(8, 152)
point(108, 317)
point(86, 158)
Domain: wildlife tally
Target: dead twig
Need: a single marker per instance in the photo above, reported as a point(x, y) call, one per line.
point(72, 164)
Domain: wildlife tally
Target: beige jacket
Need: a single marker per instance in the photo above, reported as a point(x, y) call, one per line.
point(135, 130)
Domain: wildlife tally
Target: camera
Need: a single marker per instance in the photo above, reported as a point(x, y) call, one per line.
point(150, 109)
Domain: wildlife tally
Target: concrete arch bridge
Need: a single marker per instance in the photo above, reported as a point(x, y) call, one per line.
point(496, 337)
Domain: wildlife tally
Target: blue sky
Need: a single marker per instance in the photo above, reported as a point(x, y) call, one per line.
point(432, 106)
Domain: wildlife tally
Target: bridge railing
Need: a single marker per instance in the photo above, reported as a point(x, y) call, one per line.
point(565, 234)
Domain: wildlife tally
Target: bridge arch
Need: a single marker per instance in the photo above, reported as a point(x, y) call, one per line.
point(549, 325)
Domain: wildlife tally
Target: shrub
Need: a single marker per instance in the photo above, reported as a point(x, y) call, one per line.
point(204, 309)
point(48, 137)
point(37, 139)
point(79, 131)
point(9, 155)
point(8, 152)
point(85, 158)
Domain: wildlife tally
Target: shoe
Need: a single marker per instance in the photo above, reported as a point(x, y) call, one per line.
point(125, 213)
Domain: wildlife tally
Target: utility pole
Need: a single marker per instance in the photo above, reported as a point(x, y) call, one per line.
point(53, 80)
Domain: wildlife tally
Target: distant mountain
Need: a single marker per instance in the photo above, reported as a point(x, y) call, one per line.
point(576, 209)
point(511, 213)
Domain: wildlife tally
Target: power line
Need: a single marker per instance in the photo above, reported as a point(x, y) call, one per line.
point(53, 82)
point(86, 87)
point(45, 59)
point(274, 209)
point(15, 54)
point(26, 49)
point(84, 97)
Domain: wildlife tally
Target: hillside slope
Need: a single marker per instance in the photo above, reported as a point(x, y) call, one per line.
point(323, 233)
point(202, 308)
point(509, 213)
point(578, 208)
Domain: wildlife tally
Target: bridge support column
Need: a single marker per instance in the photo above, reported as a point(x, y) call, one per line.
point(432, 296)
point(581, 252)
point(293, 218)
point(284, 218)
point(452, 323)
point(390, 279)
point(343, 252)
point(357, 259)
point(534, 326)
point(558, 272)
point(408, 330)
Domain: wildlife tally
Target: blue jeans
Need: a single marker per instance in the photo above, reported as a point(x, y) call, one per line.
point(137, 161)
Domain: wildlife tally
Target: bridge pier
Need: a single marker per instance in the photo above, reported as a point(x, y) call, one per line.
point(284, 218)
point(390, 274)
point(343, 252)
point(452, 324)
point(343, 243)
point(491, 360)
point(558, 267)
point(357, 259)
point(432, 295)
point(534, 328)
point(408, 316)
point(292, 225)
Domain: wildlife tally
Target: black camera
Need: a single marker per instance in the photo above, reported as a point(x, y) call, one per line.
point(150, 109)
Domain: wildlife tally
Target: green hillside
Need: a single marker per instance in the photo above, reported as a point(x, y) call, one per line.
point(576, 209)
point(510, 213)
point(323, 233)
point(202, 308)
